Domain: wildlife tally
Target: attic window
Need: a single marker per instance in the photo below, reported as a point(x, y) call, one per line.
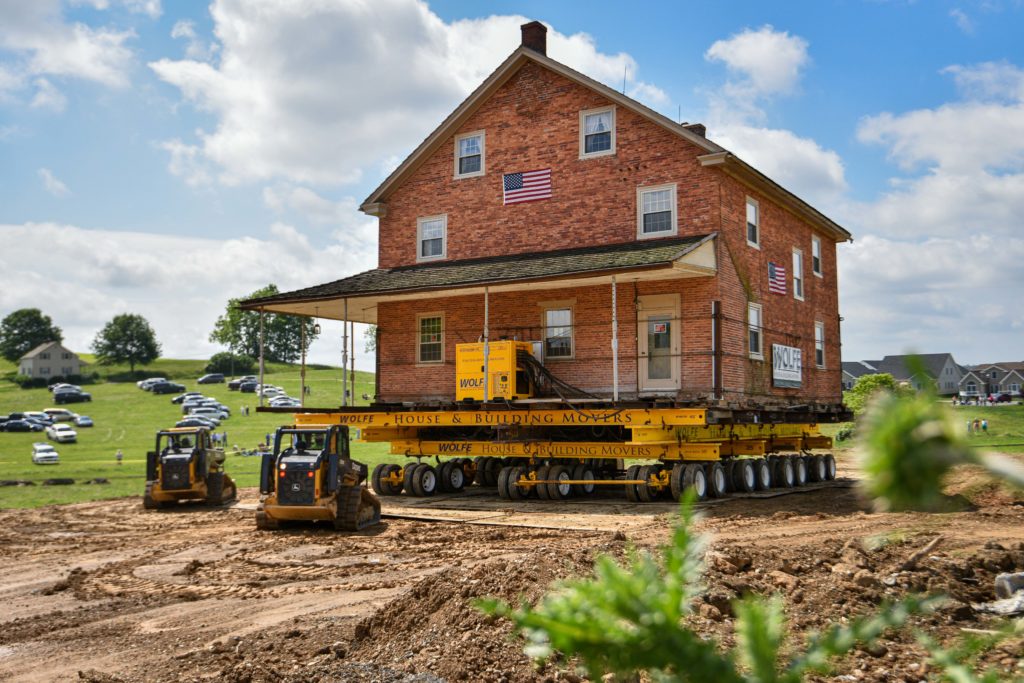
point(469, 155)
point(597, 132)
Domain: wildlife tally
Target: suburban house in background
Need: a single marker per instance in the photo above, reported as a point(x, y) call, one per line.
point(938, 368)
point(992, 379)
point(50, 359)
point(642, 259)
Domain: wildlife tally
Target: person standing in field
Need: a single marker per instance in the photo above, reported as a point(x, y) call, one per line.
point(119, 456)
point(984, 426)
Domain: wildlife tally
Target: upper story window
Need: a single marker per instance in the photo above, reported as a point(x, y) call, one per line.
point(45, 355)
point(798, 274)
point(816, 255)
point(753, 223)
point(430, 338)
point(431, 238)
point(597, 132)
point(819, 343)
point(557, 333)
point(469, 155)
point(656, 211)
point(754, 333)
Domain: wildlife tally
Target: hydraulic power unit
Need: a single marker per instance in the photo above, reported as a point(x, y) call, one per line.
point(508, 380)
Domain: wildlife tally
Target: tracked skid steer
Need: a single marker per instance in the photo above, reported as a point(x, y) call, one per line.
point(310, 476)
point(185, 466)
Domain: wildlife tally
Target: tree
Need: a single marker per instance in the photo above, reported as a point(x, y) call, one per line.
point(370, 338)
point(239, 330)
point(25, 329)
point(867, 386)
point(127, 338)
point(234, 363)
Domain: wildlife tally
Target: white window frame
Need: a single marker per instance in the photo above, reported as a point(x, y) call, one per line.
point(483, 154)
point(819, 343)
point(640, 191)
point(583, 136)
point(816, 247)
point(558, 306)
point(798, 274)
point(757, 226)
point(758, 353)
point(420, 317)
point(444, 237)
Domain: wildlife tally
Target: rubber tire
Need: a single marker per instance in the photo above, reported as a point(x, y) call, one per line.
point(675, 481)
point(783, 475)
point(644, 491)
point(799, 472)
point(716, 480)
point(375, 481)
point(407, 473)
point(632, 472)
point(542, 489)
point(515, 492)
point(214, 488)
point(389, 488)
point(559, 491)
point(763, 470)
point(503, 483)
point(744, 478)
point(265, 522)
point(457, 477)
point(583, 472)
point(695, 477)
point(816, 468)
point(425, 481)
point(830, 467)
point(491, 470)
point(727, 465)
point(443, 476)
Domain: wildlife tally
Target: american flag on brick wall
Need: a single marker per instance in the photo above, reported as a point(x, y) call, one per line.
point(527, 186)
point(776, 279)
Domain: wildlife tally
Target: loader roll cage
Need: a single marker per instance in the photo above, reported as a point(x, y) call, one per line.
point(328, 443)
point(191, 442)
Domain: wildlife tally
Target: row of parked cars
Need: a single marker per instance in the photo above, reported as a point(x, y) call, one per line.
point(69, 393)
point(200, 411)
point(56, 422)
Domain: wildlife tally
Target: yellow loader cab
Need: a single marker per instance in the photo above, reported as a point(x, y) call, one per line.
point(310, 476)
point(185, 466)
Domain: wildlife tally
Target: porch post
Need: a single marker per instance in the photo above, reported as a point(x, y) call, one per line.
point(344, 354)
point(261, 357)
point(352, 357)
point(716, 350)
point(487, 348)
point(615, 343)
point(302, 372)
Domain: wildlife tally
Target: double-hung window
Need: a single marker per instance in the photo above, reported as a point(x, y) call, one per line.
point(819, 343)
point(798, 274)
point(816, 255)
point(469, 155)
point(755, 331)
point(557, 333)
point(430, 338)
point(656, 211)
point(597, 132)
point(431, 238)
point(753, 223)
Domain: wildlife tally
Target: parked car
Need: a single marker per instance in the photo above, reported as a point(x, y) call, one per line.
point(248, 387)
point(83, 421)
point(40, 417)
point(63, 386)
point(22, 426)
point(44, 454)
point(181, 398)
point(149, 381)
point(234, 384)
point(193, 421)
point(212, 378)
point(167, 388)
point(1004, 398)
point(209, 412)
point(285, 402)
point(61, 414)
point(71, 397)
point(62, 433)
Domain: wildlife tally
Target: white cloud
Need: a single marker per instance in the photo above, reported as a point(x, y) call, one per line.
point(314, 208)
point(999, 81)
point(52, 184)
point(963, 22)
point(180, 284)
point(195, 48)
point(187, 163)
point(48, 97)
point(151, 8)
point(768, 62)
point(310, 92)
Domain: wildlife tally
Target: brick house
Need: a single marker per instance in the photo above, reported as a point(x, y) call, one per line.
point(50, 359)
point(544, 197)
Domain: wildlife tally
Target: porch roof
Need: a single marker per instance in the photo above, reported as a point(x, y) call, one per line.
point(583, 266)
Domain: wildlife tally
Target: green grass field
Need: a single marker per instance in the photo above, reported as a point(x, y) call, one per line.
point(127, 418)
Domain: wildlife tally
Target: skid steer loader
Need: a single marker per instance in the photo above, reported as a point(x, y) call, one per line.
point(185, 466)
point(310, 476)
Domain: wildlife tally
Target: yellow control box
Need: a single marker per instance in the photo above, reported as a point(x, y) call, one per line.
point(507, 379)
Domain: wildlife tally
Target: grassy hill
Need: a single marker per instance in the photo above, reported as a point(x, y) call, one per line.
point(127, 418)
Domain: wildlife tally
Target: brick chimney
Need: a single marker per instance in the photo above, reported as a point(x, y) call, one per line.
point(698, 128)
point(535, 37)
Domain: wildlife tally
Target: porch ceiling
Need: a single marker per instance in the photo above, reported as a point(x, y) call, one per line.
point(663, 259)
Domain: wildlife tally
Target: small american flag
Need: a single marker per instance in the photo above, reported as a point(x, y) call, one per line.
point(527, 186)
point(776, 279)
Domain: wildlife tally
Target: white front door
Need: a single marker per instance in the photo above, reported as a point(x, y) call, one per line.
point(658, 334)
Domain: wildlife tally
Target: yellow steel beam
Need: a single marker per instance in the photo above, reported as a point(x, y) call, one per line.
point(556, 449)
point(585, 417)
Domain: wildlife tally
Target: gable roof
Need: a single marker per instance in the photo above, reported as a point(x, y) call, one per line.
point(716, 155)
point(899, 367)
point(858, 368)
point(42, 347)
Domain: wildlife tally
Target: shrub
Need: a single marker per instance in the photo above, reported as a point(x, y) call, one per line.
point(231, 363)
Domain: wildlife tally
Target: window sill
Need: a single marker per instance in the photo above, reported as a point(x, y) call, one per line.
point(818, 274)
point(597, 155)
point(478, 174)
point(428, 259)
point(558, 358)
point(429, 363)
point(755, 245)
point(757, 356)
point(655, 235)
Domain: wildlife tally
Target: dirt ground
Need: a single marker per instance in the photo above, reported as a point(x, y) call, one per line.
point(108, 592)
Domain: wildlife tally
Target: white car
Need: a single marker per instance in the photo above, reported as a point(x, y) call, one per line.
point(209, 413)
point(61, 414)
point(44, 454)
point(147, 384)
point(62, 433)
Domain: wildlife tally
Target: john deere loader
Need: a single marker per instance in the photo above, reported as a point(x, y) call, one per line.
point(310, 476)
point(185, 466)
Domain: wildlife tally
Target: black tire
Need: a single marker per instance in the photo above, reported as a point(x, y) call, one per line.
point(407, 472)
point(503, 475)
point(214, 488)
point(727, 466)
point(744, 479)
point(516, 492)
point(558, 491)
point(542, 489)
point(583, 472)
point(644, 492)
point(830, 466)
point(799, 471)
point(375, 479)
point(443, 472)
point(717, 487)
point(632, 472)
point(675, 481)
point(391, 489)
point(265, 522)
point(764, 474)
point(456, 478)
point(783, 474)
point(491, 469)
point(481, 466)
point(696, 477)
point(815, 468)
point(424, 480)
point(148, 502)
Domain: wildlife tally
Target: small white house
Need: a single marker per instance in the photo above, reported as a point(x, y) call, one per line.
point(50, 359)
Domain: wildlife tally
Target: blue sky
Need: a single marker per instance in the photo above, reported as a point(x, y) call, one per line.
point(162, 157)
